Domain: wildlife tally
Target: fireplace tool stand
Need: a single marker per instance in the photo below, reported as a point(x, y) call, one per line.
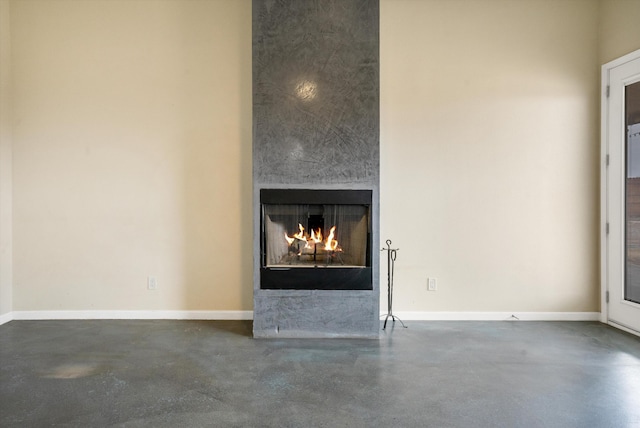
point(391, 260)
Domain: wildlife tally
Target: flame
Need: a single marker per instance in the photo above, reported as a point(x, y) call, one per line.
point(316, 236)
point(289, 240)
point(300, 235)
point(331, 244)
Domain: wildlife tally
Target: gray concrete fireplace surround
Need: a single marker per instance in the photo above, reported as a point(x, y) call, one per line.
point(316, 133)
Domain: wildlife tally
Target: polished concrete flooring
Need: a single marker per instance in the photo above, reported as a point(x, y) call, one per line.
point(212, 373)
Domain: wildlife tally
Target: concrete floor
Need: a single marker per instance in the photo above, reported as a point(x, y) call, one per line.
point(212, 373)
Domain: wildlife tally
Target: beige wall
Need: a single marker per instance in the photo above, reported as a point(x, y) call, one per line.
point(132, 153)
point(490, 153)
point(619, 28)
point(6, 266)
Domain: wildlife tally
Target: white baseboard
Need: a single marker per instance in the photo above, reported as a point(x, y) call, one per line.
point(248, 315)
point(5, 318)
point(498, 316)
point(132, 315)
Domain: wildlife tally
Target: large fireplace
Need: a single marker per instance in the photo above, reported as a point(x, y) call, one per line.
point(316, 168)
point(316, 239)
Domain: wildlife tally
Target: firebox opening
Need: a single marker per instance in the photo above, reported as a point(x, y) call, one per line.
point(316, 239)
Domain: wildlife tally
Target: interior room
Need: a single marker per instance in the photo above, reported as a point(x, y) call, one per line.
point(126, 218)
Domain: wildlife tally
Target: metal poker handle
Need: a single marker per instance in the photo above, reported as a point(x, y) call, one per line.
point(391, 258)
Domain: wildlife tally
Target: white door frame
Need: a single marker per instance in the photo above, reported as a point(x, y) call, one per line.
point(604, 209)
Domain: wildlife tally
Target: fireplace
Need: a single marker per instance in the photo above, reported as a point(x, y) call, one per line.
point(316, 169)
point(315, 239)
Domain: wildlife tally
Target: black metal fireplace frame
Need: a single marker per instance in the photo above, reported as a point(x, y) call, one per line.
point(319, 277)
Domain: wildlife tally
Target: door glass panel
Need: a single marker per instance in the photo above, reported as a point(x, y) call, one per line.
point(632, 208)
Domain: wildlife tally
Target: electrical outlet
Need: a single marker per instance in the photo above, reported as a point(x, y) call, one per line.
point(432, 284)
point(152, 283)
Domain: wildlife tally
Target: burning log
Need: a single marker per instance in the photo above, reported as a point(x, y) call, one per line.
point(313, 246)
point(333, 256)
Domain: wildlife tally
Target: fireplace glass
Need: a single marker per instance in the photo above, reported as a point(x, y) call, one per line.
point(316, 239)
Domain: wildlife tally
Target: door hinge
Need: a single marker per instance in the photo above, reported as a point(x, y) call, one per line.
point(606, 160)
point(608, 90)
point(606, 296)
point(606, 228)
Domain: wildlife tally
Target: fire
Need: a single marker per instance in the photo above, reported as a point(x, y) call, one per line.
point(330, 244)
point(289, 240)
point(316, 236)
point(300, 235)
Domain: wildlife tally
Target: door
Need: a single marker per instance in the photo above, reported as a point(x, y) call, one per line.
point(621, 192)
